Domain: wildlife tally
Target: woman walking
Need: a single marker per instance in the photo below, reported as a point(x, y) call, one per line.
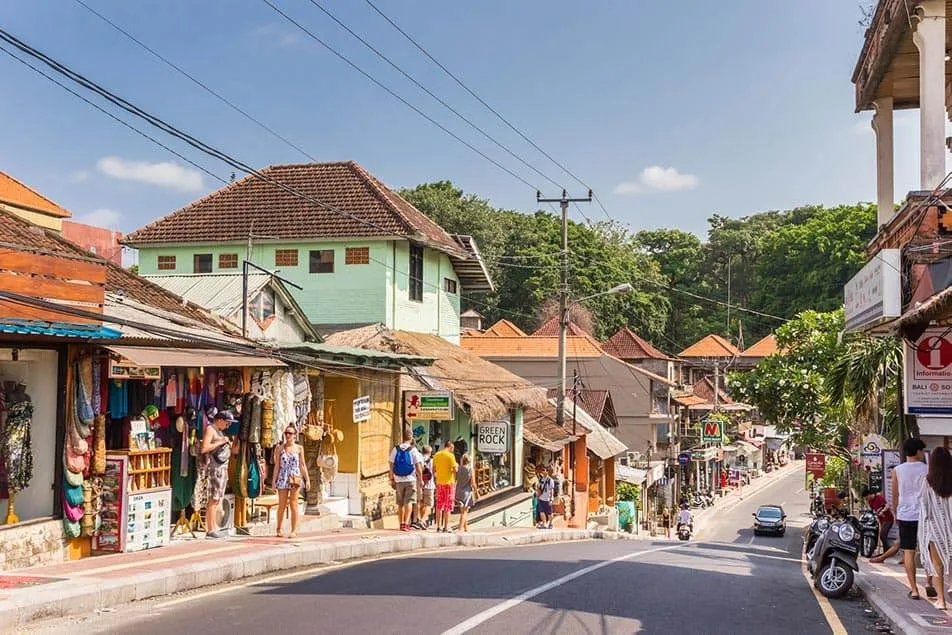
point(289, 474)
point(935, 520)
point(465, 491)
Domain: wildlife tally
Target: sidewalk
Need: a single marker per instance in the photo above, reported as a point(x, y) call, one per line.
point(97, 583)
point(885, 587)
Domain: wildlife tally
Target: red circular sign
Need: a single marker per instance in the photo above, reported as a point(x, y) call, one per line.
point(934, 352)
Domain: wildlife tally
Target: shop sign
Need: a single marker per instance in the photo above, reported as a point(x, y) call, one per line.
point(873, 296)
point(493, 438)
point(871, 450)
point(876, 481)
point(435, 405)
point(891, 458)
point(928, 376)
point(704, 454)
point(684, 458)
point(816, 464)
point(124, 370)
point(362, 409)
point(712, 431)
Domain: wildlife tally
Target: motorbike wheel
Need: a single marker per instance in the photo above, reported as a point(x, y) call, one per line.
point(869, 546)
point(835, 579)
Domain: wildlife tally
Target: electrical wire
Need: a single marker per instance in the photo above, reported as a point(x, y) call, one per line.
point(197, 82)
point(396, 96)
point(436, 97)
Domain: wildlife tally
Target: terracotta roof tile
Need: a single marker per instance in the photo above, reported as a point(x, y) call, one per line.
point(764, 348)
point(18, 233)
point(551, 327)
point(711, 346)
point(705, 389)
point(594, 402)
point(17, 194)
point(625, 344)
point(488, 346)
point(251, 205)
point(505, 328)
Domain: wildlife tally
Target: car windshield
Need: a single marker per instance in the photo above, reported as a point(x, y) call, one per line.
point(768, 512)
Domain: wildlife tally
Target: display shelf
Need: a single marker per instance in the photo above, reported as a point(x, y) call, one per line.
point(148, 469)
point(484, 478)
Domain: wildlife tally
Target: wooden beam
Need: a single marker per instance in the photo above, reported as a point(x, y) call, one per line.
point(21, 312)
point(39, 264)
point(52, 288)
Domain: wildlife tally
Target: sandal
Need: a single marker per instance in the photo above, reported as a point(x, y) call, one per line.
point(914, 595)
point(931, 592)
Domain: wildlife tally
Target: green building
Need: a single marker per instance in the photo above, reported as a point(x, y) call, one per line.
point(361, 253)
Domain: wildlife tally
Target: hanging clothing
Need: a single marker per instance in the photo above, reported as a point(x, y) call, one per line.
point(16, 446)
point(118, 399)
point(171, 392)
point(97, 386)
point(935, 527)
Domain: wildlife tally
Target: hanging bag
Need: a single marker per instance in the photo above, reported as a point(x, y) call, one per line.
point(254, 477)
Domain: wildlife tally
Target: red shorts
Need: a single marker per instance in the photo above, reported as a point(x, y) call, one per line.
point(444, 498)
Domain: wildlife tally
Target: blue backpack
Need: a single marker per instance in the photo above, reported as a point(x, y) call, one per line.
point(403, 462)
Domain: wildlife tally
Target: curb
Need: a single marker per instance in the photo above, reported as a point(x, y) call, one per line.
point(900, 623)
point(73, 597)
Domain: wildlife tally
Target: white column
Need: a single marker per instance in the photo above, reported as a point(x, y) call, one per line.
point(883, 127)
point(929, 38)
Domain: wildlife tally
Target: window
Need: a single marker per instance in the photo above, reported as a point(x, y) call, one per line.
point(227, 261)
point(202, 263)
point(166, 263)
point(416, 273)
point(286, 258)
point(357, 256)
point(262, 308)
point(322, 261)
point(449, 285)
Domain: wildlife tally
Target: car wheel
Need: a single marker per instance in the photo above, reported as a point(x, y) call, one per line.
point(781, 532)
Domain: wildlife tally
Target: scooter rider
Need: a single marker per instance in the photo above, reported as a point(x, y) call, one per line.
point(686, 518)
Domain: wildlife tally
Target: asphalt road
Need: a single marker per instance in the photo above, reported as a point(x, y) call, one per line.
point(726, 581)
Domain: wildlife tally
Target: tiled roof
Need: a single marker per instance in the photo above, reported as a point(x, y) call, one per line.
point(21, 234)
point(551, 327)
point(253, 206)
point(488, 346)
point(711, 346)
point(705, 389)
point(625, 344)
point(764, 348)
point(17, 194)
point(505, 328)
point(596, 403)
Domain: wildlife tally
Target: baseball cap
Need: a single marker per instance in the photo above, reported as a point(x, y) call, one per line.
point(225, 415)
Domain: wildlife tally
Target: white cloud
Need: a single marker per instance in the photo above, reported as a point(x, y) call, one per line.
point(164, 174)
point(275, 33)
point(79, 176)
point(108, 218)
point(656, 178)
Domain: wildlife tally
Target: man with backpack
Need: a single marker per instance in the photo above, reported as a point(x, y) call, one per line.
point(545, 492)
point(406, 475)
point(426, 492)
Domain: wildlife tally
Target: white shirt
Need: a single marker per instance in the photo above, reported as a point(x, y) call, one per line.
point(416, 457)
point(910, 475)
point(684, 517)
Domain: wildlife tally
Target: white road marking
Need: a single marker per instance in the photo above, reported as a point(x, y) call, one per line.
point(488, 614)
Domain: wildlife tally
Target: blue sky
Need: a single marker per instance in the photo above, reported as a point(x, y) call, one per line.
point(671, 115)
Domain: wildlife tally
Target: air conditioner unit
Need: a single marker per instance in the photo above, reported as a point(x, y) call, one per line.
point(226, 514)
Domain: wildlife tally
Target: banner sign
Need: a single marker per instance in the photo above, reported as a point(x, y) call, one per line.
point(816, 464)
point(928, 377)
point(362, 409)
point(871, 450)
point(434, 405)
point(711, 431)
point(493, 438)
point(874, 295)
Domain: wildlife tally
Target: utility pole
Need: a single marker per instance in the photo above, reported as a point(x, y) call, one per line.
point(563, 202)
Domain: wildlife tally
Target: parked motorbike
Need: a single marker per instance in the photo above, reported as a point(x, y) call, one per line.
point(708, 498)
point(833, 559)
point(817, 508)
point(869, 528)
point(696, 500)
point(684, 532)
point(820, 524)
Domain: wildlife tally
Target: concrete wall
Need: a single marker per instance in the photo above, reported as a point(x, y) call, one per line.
point(353, 294)
point(31, 544)
point(517, 515)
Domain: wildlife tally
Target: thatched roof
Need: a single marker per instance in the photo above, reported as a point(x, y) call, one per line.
point(486, 391)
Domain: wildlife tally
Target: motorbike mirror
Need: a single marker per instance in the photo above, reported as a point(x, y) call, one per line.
point(754, 515)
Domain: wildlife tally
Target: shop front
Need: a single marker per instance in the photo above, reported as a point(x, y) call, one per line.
point(703, 473)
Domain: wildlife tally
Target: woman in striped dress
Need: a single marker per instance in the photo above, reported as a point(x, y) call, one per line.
point(935, 520)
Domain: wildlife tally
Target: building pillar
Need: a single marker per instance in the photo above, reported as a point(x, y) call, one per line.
point(929, 38)
point(610, 482)
point(883, 127)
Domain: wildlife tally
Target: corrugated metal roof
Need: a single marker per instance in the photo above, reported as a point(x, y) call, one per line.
point(127, 309)
point(328, 352)
point(56, 329)
point(220, 293)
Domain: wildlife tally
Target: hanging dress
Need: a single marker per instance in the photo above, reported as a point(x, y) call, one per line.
point(17, 447)
point(935, 527)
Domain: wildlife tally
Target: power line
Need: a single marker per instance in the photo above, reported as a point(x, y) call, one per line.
point(197, 81)
point(393, 94)
point(442, 102)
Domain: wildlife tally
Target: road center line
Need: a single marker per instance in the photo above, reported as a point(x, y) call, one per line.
point(488, 614)
point(825, 607)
